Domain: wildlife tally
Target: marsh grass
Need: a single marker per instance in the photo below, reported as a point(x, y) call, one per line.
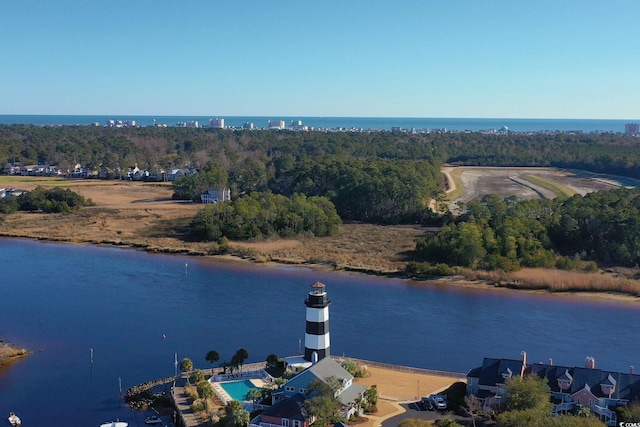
point(563, 281)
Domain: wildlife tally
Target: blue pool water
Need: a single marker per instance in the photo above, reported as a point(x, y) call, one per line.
point(238, 389)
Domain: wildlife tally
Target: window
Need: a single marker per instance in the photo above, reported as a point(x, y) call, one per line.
point(303, 390)
point(285, 422)
point(289, 388)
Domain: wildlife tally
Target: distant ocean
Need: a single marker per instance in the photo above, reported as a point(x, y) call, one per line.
point(364, 123)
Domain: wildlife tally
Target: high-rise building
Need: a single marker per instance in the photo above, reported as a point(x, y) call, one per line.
point(275, 124)
point(216, 123)
point(632, 129)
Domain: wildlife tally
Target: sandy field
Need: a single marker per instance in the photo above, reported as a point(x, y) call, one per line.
point(525, 182)
point(396, 386)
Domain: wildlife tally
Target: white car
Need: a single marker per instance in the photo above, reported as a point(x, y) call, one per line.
point(438, 402)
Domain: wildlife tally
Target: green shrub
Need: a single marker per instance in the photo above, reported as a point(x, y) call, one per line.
point(198, 406)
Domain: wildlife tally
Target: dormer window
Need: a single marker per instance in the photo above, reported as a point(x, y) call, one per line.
point(608, 386)
point(564, 381)
point(507, 374)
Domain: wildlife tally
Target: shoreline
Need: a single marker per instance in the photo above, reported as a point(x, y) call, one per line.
point(10, 352)
point(458, 281)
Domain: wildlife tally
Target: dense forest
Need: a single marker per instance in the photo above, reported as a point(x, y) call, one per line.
point(507, 234)
point(377, 177)
point(265, 215)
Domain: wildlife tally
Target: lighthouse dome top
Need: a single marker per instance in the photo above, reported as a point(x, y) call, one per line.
point(317, 288)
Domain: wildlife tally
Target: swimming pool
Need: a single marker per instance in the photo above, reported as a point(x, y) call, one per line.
point(238, 390)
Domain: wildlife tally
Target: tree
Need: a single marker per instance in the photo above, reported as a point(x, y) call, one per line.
point(205, 390)
point(239, 358)
point(323, 403)
point(371, 396)
point(186, 365)
point(447, 422)
point(236, 415)
point(350, 366)
point(212, 356)
point(196, 376)
point(474, 406)
point(254, 394)
point(530, 392)
point(272, 361)
point(527, 405)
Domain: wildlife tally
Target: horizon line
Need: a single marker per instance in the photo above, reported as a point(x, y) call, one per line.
point(323, 116)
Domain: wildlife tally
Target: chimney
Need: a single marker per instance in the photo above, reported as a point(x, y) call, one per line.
point(550, 362)
point(590, 362)
point(523, 357)
point(632, 370)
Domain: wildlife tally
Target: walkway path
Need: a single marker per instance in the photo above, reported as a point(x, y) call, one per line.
point(183, 405)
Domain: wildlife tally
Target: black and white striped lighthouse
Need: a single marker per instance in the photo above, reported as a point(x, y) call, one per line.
point(316, 337)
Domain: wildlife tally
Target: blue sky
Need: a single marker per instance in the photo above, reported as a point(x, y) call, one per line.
point(408, 58)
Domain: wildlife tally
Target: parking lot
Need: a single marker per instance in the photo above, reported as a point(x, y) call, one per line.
point(415, 410)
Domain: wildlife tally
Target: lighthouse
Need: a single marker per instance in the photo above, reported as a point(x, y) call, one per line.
point(316, 337)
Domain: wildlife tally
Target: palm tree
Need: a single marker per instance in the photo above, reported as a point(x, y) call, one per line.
point(212, 357)
point(241, 355)
point(254, 394)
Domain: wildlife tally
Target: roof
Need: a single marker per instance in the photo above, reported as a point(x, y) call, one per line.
point(327, 367)
point(627, 385)
point(493, 371)
point(292, 408)
point(351, 393)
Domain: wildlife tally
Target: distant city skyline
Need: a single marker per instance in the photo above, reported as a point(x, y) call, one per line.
point(416, 58)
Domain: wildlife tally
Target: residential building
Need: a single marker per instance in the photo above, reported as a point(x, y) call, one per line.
point(290, 412)
point(215, 195)
point(600, 390)
point(347, 394)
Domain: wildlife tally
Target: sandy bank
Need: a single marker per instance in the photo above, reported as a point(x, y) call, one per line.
point(9, 352)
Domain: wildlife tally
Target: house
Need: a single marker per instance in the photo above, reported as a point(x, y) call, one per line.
point(290, 412)
point(487, 382)
point(12, 169)
point(215, 195)
point(347, 394)
point(599, 390)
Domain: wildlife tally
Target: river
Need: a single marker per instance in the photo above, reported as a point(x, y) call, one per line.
point(135, 310)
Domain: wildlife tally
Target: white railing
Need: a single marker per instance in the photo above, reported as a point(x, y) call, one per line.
point(567, 406)
point(261, 424)
point(248, 375)
point(605, 412)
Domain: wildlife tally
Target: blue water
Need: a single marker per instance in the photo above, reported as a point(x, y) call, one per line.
point(61, 301)
point(374, 123)
point(238, 389)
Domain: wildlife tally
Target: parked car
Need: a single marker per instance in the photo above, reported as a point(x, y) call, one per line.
point(438, 401)
point(426, 404)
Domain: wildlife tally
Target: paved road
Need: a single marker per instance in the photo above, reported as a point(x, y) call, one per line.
point(414, 411)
